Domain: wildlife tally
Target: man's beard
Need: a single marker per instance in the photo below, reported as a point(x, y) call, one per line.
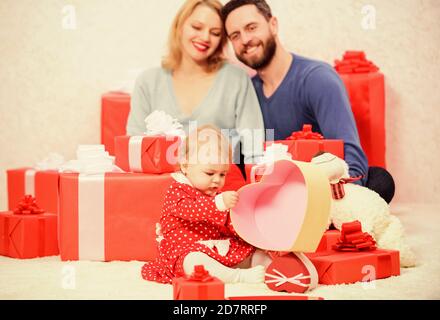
point(269, 50)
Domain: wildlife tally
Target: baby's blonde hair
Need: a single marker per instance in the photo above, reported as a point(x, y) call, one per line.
point(206, 144)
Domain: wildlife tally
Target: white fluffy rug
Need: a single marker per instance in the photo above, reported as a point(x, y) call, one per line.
point(49, 278)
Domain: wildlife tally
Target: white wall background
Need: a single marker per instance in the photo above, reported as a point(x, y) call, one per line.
point(51, 78)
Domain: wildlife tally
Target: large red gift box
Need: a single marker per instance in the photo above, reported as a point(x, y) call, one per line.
point(335, 267)
point(204, 287)
point(115, 108)
point(112, 216)
point(365, 85)
point(147, 154)
point(43, 185)
point(304, 145)
point(28, 236)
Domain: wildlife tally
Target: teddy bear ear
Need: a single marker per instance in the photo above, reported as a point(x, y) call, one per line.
point(333, 166)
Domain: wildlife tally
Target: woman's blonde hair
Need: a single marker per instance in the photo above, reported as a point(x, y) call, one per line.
point(174, 57)
point(206, 145)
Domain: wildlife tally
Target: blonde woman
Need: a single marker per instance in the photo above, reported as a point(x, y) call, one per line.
point(196, 84)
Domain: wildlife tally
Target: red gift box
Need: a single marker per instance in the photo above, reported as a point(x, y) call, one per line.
point(292, 272)
point(304, 145)
point(198, 288)
point(43, 185)
point(110, 216)
point(28, 236)
point(329, 239)
point(336, 267)
point(234, 179)
point(115, 108)
point(147, 154)
point(366, 89)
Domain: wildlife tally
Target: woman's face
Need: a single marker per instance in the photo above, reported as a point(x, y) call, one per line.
point(201, 34)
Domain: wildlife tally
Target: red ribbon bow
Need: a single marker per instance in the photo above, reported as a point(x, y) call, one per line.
point(305, 134)
point(355, 62)
point(200, 274)
point(28, 206)
point(353, 239)
point(338, 191)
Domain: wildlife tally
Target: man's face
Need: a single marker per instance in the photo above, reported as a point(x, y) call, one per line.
point(252, 36)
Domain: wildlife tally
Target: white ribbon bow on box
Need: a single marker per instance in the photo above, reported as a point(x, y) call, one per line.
point(53, 162)
point(281, 279)
point(160, 123)
point(91, 159)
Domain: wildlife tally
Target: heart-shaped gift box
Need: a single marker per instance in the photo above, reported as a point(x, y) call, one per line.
point(287, 210)
point(291, 273)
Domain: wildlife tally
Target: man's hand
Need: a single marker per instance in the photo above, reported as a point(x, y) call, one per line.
point(230, 198)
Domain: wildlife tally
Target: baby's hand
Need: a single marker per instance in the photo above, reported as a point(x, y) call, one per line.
point(230, 198)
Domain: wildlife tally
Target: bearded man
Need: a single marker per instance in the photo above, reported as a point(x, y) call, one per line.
point(293, 90)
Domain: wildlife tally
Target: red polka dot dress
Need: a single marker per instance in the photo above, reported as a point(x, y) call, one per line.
point(189, 216)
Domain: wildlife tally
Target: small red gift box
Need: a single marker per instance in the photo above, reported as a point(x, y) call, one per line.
point(365, 86)
point(147, 154)
point(28, 232)
point(43, 185)
point(329, 239)
point(335, 267)
point(110, 216)
point(292, 272)
point(199, 286)
point(115, 108)
point(304, 145)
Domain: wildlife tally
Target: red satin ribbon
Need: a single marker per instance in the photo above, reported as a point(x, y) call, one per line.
point(28, 206)
point(200, 274)
point(305, 134)
point(355, 62)
point(353, 239)
point(338, 191)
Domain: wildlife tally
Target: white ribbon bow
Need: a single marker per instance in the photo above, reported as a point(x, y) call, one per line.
point(282, 279)
point(161, 123)
point(53, 162)
point(91, 159)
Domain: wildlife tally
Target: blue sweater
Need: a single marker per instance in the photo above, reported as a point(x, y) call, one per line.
point(313, 93)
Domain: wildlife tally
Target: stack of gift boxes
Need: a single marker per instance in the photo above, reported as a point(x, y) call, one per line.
point(98, 214)
point(113, 215)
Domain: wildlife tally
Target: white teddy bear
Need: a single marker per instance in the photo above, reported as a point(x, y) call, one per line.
point(367, 206)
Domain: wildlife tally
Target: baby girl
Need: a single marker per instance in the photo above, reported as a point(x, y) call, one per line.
point(195, 223)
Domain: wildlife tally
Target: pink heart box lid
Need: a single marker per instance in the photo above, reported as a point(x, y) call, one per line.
point(287, 210)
